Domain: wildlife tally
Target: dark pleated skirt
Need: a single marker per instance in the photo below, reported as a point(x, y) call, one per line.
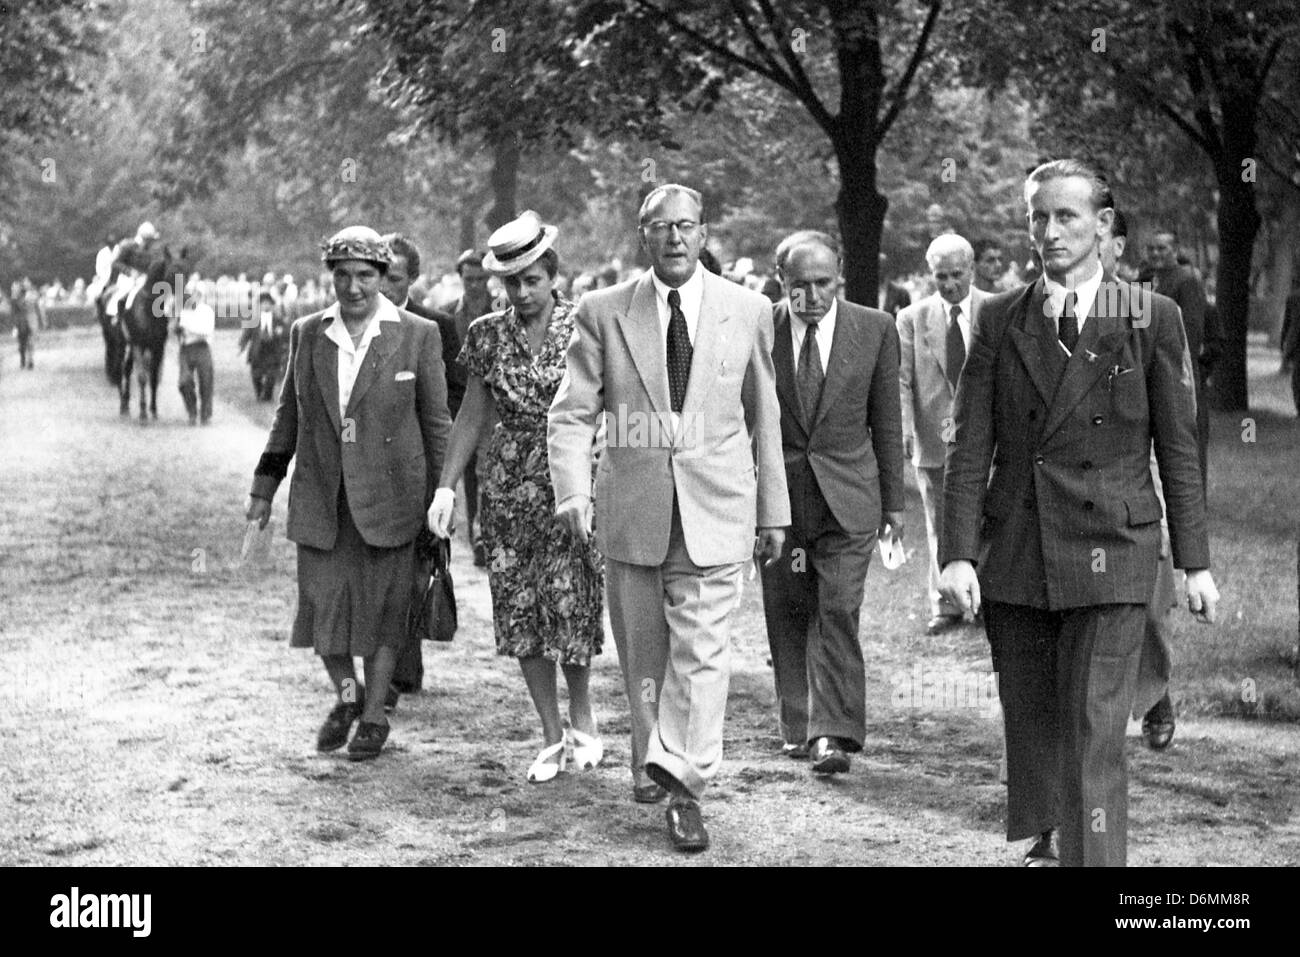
point(353, 597)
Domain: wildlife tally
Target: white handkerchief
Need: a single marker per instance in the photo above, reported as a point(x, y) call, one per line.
point(891, 552)
point(403, 376)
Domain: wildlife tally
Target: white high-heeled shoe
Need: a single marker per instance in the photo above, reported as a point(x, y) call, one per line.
point(587, 750)
point(542, 770)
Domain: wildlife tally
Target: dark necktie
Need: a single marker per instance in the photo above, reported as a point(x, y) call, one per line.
point(956, 354)
point(679, 351)
point(1067, 326)
point(810, 376)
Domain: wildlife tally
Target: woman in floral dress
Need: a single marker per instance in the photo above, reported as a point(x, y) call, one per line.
point(546, 586)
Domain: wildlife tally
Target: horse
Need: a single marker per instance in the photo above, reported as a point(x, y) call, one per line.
point(114, 340)
point(145, 325)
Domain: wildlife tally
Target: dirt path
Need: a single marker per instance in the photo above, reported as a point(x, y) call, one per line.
point(151, 713)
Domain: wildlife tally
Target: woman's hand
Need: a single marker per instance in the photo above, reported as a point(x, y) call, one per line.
point(440, 512)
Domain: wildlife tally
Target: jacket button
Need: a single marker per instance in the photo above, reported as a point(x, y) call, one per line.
point(1085, 464)
point(1029, 503)
point(1096, 420)
point(1088, 506)
point(1033, 414)
point(388, 438)
point(1038, 460)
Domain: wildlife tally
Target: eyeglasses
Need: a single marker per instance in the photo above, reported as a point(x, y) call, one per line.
point(685, 227)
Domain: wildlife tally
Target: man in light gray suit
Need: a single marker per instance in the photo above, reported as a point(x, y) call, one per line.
point(689, 487)
point(934, 336)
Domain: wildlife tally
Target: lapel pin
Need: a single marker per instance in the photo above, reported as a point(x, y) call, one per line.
point(1092, 356)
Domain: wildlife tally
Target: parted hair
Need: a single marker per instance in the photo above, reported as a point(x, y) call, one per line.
point(1102, 198)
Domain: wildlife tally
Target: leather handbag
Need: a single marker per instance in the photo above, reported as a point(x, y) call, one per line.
point(433, 610)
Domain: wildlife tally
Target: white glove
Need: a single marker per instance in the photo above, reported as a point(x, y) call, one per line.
point(440, 512)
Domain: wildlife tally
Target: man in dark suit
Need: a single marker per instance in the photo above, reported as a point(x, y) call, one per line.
point(475, 301)
point(265, 335)
point(1170, 278)
point(836, 370)
point(408, 675)
point(1067, 385)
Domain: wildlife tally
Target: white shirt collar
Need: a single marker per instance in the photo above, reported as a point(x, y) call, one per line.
point(825, 333)
point(1086, 291)
point(692, 290)
point(692, 295)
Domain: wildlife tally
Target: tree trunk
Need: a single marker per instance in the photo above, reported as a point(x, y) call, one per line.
point(467, 225)
point(1279, 269)
point(861, 211)
point(1238, 222)
point(504, 180)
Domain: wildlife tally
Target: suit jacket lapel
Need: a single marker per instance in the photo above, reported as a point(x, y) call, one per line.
point(936, 334)
point(1034, 339)
point(646, 346)
point(704, 350)
point(325, 367)
point(844, 357)
point(381, 347)
point(783, 360)
point(1101, 334)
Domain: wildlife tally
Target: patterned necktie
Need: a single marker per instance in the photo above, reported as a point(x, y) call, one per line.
point(956, 354)
point(1067, 326)
point(679, 351)
point(809, 375)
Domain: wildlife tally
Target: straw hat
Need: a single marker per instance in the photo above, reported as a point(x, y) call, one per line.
point(518, 244)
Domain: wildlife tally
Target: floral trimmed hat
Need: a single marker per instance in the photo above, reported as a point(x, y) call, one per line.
point(357, 242)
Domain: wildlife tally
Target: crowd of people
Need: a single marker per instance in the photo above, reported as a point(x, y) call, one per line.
point(638, 448)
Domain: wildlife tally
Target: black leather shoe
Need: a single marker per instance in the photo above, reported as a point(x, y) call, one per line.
point(648, 793)
point(368, 741)
point(1158, 724)
point(1043, 852)
point(686, 825)
point(828, 757)
point(797, 751)
point(333, 733)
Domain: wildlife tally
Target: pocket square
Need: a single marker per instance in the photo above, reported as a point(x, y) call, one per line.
point(403, 376)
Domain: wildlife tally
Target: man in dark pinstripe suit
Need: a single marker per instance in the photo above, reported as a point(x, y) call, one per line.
point(1068, 383)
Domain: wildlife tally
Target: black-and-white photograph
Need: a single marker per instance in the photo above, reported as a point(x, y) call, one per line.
point(781, 433)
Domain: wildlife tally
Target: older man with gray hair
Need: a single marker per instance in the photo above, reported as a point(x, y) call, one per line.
point(934, 335)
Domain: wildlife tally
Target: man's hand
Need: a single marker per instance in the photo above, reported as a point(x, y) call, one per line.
point(959, 585)
point(767, 548)
point(441, 510)
point(907, 447)
point(257, 510)
point(574, 513)
point(1202, 596)
point(891, 526)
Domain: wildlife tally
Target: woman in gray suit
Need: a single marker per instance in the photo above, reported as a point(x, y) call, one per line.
point(364, 407)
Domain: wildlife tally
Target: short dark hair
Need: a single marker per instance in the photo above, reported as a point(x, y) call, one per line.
point(1119, 228)
point(467, 258)
point(551, 260)
point(1102, 198)
point(981, 246)
point(403, 247)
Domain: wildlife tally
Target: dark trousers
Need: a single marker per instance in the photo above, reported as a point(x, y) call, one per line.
point(812, 596)
point(26, 346)
point(1067, 680)
point(196, 363)
point(265, 372)
point(1156, 660)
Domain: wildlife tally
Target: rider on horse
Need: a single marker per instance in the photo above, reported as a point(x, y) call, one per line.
point(132, 258)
